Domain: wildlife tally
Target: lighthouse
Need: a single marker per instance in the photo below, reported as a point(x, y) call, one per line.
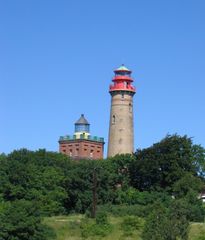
point(121, 129)
point(82, 145)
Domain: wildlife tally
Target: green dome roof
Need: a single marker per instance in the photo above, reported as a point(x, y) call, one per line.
point(122, 68)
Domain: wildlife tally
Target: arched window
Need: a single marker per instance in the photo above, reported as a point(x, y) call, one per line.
point(113, 119)
point(130, 107)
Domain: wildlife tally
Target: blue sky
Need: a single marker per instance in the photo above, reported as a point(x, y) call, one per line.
point(57, 60)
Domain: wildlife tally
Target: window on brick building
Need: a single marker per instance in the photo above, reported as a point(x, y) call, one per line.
point(91, 153)
point(76, 151)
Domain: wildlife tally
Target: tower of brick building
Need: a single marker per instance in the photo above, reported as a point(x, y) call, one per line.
point(121, 130)
point(81, 145)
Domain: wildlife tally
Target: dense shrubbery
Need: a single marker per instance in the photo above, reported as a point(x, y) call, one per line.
point(101, 227)
point(131, 224)
point(20, 220)
point(168, 171)
point(132, 196)
point(125, 210)
point(35, 176)
point(167, 223)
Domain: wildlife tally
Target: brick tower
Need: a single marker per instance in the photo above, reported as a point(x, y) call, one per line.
point(82, 145)
point(121, 132)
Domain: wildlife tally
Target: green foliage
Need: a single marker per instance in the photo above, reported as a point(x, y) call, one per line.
point(34, 176)
point(201, 237)
point(131, 224)
point(171, 170)
point(195, 208)
point(128, 210)
point(132, 196)
point(167, 223)
point(96, 230)
point(188, 183)
point(101, 218)
point(163, 164)
point(20, 220)
point(100, 228)
point(69, 228)
point(198, 153)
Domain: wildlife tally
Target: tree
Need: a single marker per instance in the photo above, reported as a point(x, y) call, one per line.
point(163, 164)
point(167, 223)
point(199, 159)
point(20, 220)
point(153, 228)
point(187, 183)
point(35, 175)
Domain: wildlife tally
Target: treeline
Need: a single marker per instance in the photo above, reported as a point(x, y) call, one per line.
point(49, 183)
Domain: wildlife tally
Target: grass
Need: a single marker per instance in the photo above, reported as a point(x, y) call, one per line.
point(197, 230)
point(64, 226)
point(69, 228)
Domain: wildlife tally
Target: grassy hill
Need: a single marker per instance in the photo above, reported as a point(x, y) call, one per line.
point(70, 228)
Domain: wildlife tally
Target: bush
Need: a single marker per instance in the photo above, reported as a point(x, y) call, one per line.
point(132, 196)
point(101, 227)
point(167, 223)
point(201, 237)
point(126, 210)
point(101, 218)
point(20, 220)
point(130, 224)
point(96, 230)
point(196, 211)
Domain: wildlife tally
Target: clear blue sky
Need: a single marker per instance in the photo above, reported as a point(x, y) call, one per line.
point(57, 59)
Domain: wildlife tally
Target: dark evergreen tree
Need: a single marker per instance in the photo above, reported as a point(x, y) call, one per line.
point(20, 220)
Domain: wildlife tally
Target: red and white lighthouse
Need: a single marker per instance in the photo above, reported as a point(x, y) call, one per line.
point(121, 130)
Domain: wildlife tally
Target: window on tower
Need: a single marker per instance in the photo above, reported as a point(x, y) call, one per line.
point(130, 108)
point(113, 119)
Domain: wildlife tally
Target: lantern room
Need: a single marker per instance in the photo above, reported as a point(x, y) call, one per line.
point(82, 125)
point(122, 80)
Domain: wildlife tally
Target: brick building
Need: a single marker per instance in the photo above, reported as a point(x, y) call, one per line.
point(81, 145)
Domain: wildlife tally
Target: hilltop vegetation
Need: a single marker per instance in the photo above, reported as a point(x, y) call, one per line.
point(69, 228)
point(148, 184)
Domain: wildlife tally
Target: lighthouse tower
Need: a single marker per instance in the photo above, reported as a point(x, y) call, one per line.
point(121, 132)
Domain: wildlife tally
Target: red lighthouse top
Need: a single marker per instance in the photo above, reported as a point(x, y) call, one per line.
point(122, 80)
